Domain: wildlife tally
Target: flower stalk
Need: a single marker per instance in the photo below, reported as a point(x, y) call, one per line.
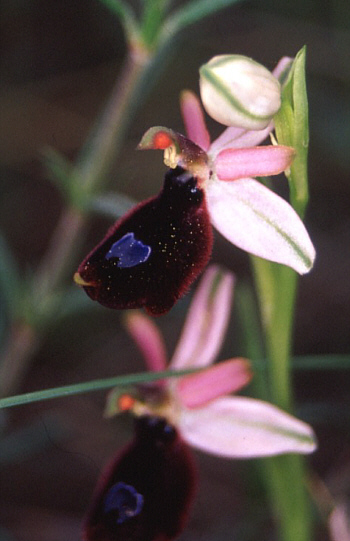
point(276, 287)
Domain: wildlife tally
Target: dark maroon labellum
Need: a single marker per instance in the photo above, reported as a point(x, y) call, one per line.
point(150, 257)
point(146, 492)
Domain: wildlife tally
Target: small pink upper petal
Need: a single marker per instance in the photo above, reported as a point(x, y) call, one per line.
point(149, 340)
point(283, 65)
point(206, 321)
point(240, 427)
point(239, 138)
point(223, 378)
point(193, 119)
point(231, 164)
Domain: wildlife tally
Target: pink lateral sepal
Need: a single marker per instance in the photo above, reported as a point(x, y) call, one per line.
point(149, 340)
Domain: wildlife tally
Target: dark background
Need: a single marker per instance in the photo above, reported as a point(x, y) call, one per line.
point(58, 62)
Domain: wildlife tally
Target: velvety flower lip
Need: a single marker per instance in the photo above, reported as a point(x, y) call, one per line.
point(146, 491)
point(201, 405)
point(149, 258)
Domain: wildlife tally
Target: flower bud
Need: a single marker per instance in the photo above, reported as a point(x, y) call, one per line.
point(237, 91)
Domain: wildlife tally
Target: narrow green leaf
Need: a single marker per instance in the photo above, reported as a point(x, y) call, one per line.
point(58, 168)
point(61, 174)
point(299, 173)
point(321, 362)
point(125, 14)
point(307, 362)
point(10, 283)
point(292, 129)
point(112, 205)
point(152, 19)
point(95, 385)
point(192, 12)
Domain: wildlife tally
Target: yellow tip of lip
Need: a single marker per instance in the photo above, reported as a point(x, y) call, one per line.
point(80, 281)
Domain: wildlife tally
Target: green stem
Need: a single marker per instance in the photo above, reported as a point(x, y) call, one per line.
point(104, 144)
point(284, 476)
point(276, 287)
point(285, 479)
point(250, 333)
point(22, 344)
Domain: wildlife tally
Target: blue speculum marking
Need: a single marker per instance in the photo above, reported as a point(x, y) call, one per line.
point(129, 251)
point(125, 500)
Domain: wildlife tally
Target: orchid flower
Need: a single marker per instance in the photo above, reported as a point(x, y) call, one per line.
point(241, 208)
point(150, 257)
point(200, 405)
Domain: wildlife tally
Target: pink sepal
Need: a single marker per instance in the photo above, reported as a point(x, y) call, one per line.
point(206, 321)
point(239, 138)
point(258, 221)
point(283, 65)
point(193, 118)
point(240, 427)
point(149, 340)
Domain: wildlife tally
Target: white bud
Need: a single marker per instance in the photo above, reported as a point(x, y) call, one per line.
point(237, 91)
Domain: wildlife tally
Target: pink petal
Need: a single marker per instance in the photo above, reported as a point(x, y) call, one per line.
point(220, 379)
point(240, 427)
point(206, 321)
point(193, 119)
point(283, 65)
point(257, 220)
point(239, 138)
point(231, 164)
point(339, 523)
point(149, 340)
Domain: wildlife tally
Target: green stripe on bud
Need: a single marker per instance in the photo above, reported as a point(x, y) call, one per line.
point(237, 91)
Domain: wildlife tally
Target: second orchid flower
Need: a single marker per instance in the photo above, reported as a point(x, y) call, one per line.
point(200, 405)
point(146, 492)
